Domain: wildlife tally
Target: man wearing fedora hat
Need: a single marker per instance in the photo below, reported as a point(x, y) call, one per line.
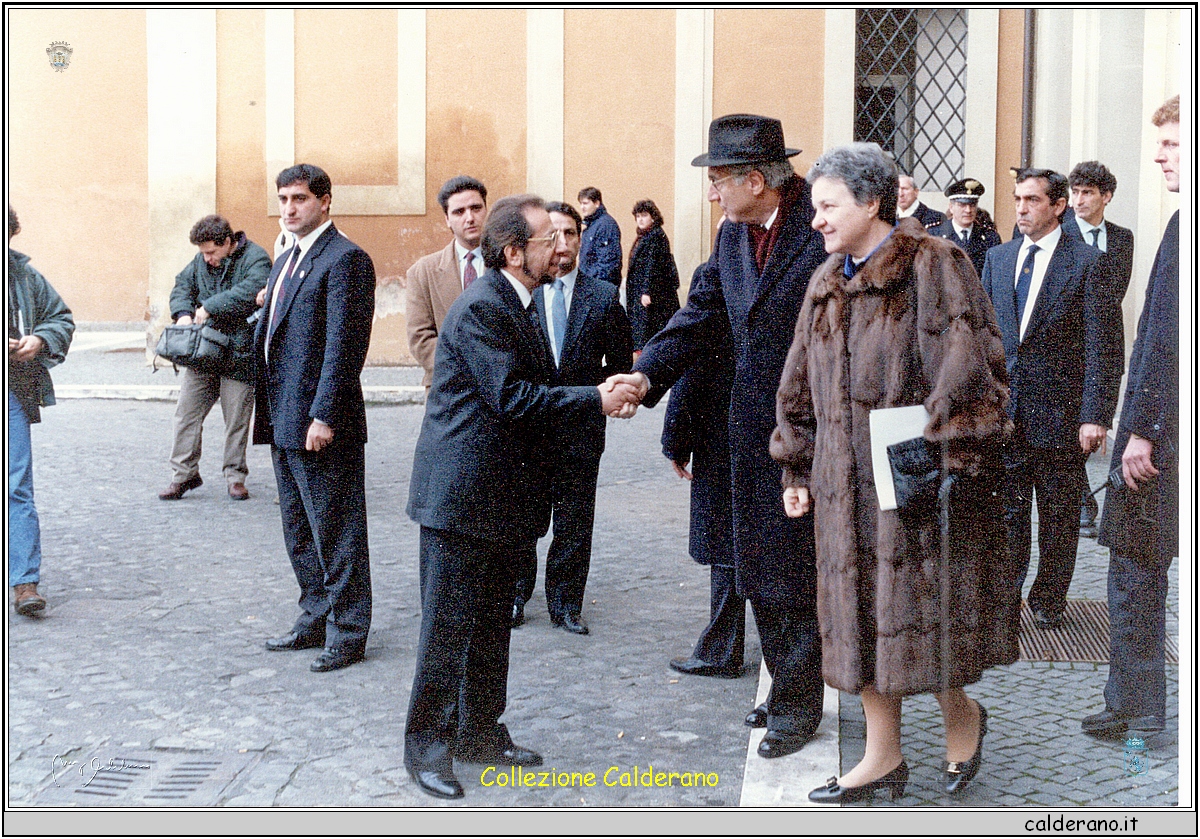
point(961, 228)
point(757, 274)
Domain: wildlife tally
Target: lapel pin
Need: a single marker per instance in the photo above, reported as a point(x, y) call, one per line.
point(302, 275)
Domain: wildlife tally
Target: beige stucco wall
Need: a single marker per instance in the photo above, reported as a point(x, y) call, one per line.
point(77, 156)
point(782, 76)
point(619, 132)
point(628, 113)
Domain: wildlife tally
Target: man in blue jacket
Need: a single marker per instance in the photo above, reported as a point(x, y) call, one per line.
point(40, 328)
point(600, 245)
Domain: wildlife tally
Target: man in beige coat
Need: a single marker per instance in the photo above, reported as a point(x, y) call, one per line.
point(435, 280)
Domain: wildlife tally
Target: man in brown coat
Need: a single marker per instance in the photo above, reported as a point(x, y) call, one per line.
point(434, 281)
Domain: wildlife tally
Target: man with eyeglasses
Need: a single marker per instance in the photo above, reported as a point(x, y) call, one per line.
point(481, 491)
point(590, 338)
point(757, 276)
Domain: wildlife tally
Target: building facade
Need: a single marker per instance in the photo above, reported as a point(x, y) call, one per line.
point(162, 116)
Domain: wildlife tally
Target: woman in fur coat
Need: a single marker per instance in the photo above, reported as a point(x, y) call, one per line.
point(896, 317)
point(652, 282)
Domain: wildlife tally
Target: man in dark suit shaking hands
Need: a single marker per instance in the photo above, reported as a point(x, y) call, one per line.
point(1063, 348)
point(310, 345)
point(480, 490)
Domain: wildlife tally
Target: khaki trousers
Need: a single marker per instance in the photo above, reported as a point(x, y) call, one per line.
point(197, 396)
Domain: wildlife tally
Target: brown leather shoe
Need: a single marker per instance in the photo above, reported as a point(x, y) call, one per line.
point(238, 492)
point(175, 490)
point(27, 600)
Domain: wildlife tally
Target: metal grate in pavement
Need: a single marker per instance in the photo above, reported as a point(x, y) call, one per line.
point(148, 779)
point(1083, 635)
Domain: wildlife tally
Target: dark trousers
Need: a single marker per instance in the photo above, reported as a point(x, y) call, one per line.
point(570, 556)
point(723, 641)
point(1055, 477)
point(791, 647)
point(1137, 615)
point(460, 687)
point(322, 501)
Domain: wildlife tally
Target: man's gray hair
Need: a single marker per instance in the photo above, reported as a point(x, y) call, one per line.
point(866, 170)
point(916, 185)
point(775, 172)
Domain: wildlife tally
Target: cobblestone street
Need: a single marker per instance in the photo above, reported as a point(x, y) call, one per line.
point(152, 646)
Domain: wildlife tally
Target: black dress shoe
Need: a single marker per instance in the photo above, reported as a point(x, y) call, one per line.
point(958, 775)
point(1046, 619)
point(571, 623)
point(512, 755)
point(440, 784)
point(1110, 723)
point(296, 641)
point(758, 717)
point(518, 616)
point(335, 658)
point(699, 667)
point(894, 782)
point(778, 744)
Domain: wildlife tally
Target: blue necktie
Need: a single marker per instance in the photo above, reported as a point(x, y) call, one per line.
point(558, 311)
point(1096, 237)
point(1022, 291)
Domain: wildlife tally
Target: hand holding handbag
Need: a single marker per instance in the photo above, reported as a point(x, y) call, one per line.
point(916, 472)
point(200, 346)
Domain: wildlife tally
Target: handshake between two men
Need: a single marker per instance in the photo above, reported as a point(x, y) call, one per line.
point(621, 394)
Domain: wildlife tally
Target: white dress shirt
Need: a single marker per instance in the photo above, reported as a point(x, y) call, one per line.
point(1086, 229)
point(461, 253)
point(305, 244)
point(522, 292)
point(548, 299)
point(1041, 259)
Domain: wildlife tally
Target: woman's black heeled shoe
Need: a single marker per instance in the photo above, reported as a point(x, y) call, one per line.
point(894, 782)
point(959, 774)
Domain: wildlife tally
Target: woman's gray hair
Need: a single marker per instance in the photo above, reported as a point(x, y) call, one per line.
point(866, 170)
point(775, 172)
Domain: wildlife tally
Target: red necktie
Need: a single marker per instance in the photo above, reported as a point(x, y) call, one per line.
point(469, 271)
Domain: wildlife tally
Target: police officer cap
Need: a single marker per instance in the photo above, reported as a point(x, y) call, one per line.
point(968, 190)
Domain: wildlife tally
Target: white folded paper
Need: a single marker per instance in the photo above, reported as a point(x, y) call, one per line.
point(888, 427)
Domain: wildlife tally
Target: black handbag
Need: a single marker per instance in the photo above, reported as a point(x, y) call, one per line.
point(916, 473)
point(202, 347)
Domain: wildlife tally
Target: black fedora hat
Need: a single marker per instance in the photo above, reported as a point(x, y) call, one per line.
point(744, 138)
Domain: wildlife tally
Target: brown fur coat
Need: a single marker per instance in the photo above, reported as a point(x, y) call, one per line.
point(914, 326)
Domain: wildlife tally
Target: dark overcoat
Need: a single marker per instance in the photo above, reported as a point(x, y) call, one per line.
point(696, 428)
point(651, 271)
point(772, 553)
point(981, 241)
point(912, 327)
point(1146, 523)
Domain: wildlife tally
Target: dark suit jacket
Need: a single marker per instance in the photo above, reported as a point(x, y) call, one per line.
point(481, 464)
point(318, 346)
point(598, 344)
point(761, 312)
point(1118, 259)
point(1067, 370)
point(982, 239)
point(1146, 523)
point(928, 216)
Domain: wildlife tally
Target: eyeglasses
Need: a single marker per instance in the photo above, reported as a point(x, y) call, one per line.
point(716, 183)
point(549, 240)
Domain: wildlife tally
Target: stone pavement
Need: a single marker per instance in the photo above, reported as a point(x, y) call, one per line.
point(152, 646)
